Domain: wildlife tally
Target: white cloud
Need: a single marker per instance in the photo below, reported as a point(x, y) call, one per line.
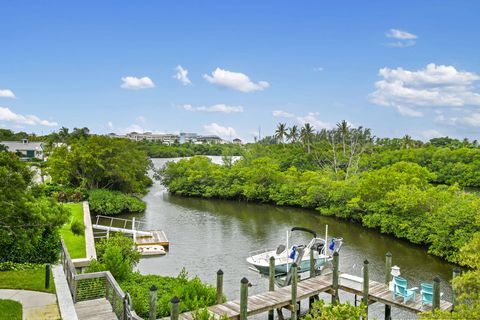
point(311, 118)
point(220, 107)
point(7, 93)
point(134, 83)
point(7, 115)
point(282, 114)
point(409, 112)
point(182, 75)
point(141, 119)
point(404, 38)
point(216, 129)
point(433, 86)
point(318, 69)
point(235, 80)
point(432, 133)
point(110, 125)
point(399, 34)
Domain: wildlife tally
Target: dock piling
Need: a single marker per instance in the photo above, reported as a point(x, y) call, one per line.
point(243, 298)
point(436, 293)
point(366, 283)
point(388, 278)
point(271, 282)
point(335, 278)
point(294, 291)
point(311, 300)
point(219, 286)
point(175, 308)
point(152, 314)
point(47, 276)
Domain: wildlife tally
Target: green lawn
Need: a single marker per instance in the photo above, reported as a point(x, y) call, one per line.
point(75, 244)
point(10, 310)
point(30, 279)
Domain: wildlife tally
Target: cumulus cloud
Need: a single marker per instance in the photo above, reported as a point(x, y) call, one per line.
point(8, 115)
point(216, 129)
point(220, 107)
point(134, 83)
point(409, 112)
point(403, 38)
point(7, 93)
point(312, 118)
point(282, 114)
point(433, 86)
point(235, 80)
point(431, 133)
point(182, 75)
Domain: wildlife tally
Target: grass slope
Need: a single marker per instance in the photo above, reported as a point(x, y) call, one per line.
point(30, 279)
point(10, 310)
point(75, 244)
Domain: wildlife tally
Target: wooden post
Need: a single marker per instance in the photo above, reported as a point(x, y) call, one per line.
point(47, 276)
point(243, 298)
point(271, 282)
point(219, 286)
point(456, 273)
point(436, 293)
point(311, 300)
point(388, 278)
point(152, 315)
point(294, 291)
point(365, 286)
point(335, 278)
point(175, 308)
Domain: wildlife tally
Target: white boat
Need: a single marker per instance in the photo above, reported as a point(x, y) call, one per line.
point(151, 250)
point(285, 256)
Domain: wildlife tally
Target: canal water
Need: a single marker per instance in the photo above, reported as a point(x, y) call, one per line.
point(207, 235)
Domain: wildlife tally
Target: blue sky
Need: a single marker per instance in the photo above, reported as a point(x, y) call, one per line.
point(398, 67)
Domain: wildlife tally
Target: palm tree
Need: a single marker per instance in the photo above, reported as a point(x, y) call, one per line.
point(306, 134)
point(293, 134)
point(343, 128)
point(281, 132)
point(407, 141)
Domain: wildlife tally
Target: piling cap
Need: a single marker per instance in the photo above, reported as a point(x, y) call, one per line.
point(366, 262)
point(436, 279)
point(388, 254)
point(335, 253)
point(294, 265)
point(272, 258)
point(153, 288)
point(220, 272)
point(175, 300)
point(244, 280)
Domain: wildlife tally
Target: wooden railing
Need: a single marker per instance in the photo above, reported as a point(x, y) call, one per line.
point(89, 286)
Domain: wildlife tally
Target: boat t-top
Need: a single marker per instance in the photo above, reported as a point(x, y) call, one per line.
point(286, 255)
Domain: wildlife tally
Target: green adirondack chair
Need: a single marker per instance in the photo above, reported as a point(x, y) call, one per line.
point(400, 290)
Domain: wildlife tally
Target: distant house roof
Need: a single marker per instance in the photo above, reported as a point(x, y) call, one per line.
point(236, 139)
point(13, 146)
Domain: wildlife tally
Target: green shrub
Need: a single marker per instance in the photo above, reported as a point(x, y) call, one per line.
point(77, 227)
point(193, 294)
point(113, 202)
point(14, 266)
point(346, 311)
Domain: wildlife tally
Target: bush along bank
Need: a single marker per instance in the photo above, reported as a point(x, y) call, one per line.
point(109, 203)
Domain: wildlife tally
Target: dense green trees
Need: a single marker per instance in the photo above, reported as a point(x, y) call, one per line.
point(28, 223)
point(159, 150)
point(100, 162)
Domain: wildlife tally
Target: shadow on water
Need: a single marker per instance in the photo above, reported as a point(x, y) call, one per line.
point(207, 234)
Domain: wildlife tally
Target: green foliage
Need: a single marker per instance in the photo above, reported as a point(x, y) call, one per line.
point(108, 203)
point(11, 310)
point(116, 254)
point(204, 314)
point(321, 311)
point(14, 266)
point(61, 193)
point(30, 223)
point(77, 227)
point(101, 162)
point(193, 294)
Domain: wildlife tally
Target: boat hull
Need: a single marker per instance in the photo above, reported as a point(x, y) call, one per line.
point(282, 268)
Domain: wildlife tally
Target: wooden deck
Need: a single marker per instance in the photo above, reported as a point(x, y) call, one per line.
point(378, 292)
point(98, 309)
point(155, 238)
point(281, 298)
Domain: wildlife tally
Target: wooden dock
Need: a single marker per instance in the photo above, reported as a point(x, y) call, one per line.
point(311, 287)
point(131, 227)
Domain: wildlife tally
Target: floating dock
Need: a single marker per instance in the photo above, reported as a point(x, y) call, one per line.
point(131, 227)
